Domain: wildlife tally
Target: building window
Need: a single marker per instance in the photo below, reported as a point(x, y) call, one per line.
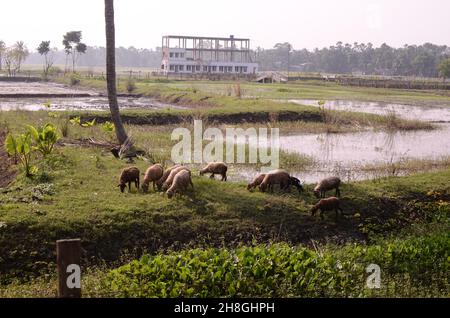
point(245, 69)
point(197, 68)
point(171, 54)
point(214, 68)
point(220, 68)
point(181, 68)
point(172, 67)
point(177, 55)
point(188, 68)
point(205, 68)
point(236, 69)
point(230, 69)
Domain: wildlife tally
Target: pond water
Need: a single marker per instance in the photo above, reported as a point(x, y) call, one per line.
point(95, 103)
point(425, 113)
point(349, 155)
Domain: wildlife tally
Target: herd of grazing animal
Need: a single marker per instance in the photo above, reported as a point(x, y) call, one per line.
point(177, 179)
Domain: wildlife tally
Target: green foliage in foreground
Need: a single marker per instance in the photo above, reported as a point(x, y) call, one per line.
point(21, 147)
point(416, 266)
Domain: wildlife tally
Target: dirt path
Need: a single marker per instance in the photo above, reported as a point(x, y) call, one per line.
point(7, 172)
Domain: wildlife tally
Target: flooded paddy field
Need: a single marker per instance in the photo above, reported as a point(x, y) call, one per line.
point(94, 103)
point(371, 153)
point(37, 96)
point(360, 155)
point(365, 155)
point(430, 113)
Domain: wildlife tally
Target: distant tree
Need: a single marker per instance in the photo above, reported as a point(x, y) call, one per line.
point(2, 52)
point(45, 50)
point(444, 68)
point(21, 53)
point(14, 56)
point(73, 46)
point(111, 72)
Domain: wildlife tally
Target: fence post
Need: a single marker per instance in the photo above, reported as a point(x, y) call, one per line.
point(68, 255)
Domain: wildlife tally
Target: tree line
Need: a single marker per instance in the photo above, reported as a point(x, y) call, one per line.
point(357, 58)
point(96, 56)
point(409, 60)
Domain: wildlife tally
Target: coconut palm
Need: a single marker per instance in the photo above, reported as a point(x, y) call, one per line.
point(111, 72)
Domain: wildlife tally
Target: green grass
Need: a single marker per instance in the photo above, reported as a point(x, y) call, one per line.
point(205, 100)
point(75, 195)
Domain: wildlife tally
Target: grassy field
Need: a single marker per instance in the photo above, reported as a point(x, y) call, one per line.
point(166, 89)
point(75, 194)
point(402, 223)
point(215, 108)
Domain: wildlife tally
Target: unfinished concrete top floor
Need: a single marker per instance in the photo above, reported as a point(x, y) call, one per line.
point(207, 48)
point(205, 43)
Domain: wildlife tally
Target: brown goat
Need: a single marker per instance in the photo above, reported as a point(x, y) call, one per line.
point(326, 205)
point(128, 176)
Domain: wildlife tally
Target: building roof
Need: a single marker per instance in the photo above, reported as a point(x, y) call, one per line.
point(205, 38)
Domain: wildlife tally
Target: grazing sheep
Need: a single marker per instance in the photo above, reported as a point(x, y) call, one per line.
point(216, 168)
point(327, 185)
point(326, 205)
point(296, 183)
point(153, 174)
point(280, 177)
point(172, 176)
point(129, 175)
point(180, 183)
point(163, 179)
point(256, 182)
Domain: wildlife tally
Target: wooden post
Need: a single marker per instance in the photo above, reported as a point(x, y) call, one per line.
point(68, 254)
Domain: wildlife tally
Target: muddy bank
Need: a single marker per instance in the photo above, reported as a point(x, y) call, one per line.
point(26, 95)
point(160, 118)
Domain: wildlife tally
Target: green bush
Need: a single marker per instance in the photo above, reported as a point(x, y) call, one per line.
point(282, 271)
point(21, 147)
point(45, 138)
point(130, 85)
point(75, 79)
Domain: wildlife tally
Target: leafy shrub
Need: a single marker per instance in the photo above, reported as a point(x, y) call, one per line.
point(21, 147)
point(54, 70)
point(45, 138)
point(75, 79)
point(64, 127)
point(280, 270)
point(76, 121)
point(108, 127)
point(130, 85)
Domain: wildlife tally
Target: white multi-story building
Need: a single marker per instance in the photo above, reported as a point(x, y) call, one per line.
point(205, 55)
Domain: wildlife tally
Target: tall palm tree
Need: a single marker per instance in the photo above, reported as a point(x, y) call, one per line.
point(111, 72)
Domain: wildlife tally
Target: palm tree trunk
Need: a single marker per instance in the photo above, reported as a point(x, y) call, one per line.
point(111, 72)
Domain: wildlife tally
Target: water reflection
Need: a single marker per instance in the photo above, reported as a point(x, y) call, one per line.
point(425, 113)
point(350, 155)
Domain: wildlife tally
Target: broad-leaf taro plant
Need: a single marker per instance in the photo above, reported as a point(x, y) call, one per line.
point(45, 138)
point(21, 147)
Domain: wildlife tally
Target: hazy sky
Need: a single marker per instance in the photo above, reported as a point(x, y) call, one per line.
point(306, 24)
